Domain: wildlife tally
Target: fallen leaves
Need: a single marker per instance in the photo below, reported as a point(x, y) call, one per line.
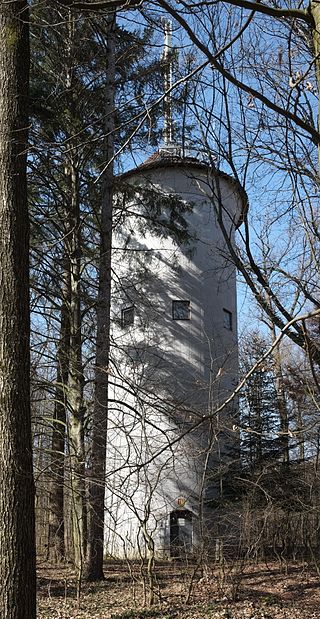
point(257, 592)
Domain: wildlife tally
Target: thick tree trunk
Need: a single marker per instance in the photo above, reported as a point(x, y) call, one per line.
point(17, 537)
point(94, 567)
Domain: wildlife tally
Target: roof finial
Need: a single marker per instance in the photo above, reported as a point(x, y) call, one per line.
point(168, 82)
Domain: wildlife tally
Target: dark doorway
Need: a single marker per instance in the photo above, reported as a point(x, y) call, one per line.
point(180, 533)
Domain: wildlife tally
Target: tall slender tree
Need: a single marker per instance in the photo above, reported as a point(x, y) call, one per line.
point(99, 420)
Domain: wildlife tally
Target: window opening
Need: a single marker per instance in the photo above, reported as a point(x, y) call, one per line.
point(127, 316)
point(227, 319)
point(181, 310)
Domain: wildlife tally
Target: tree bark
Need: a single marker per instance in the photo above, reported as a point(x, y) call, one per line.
point(73, 245)
point(17, 535)
point(94, 567)
point(281, 401)
point(56, 504)
point(76, 381)
point(315, 12)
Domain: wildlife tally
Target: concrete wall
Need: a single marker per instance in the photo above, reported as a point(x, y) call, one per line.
point(170, 375)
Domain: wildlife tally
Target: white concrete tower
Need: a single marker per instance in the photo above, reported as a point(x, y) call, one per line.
point(175, 355)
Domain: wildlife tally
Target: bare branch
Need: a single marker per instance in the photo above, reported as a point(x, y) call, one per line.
point(258, 7)
point(315, 135)
point(97, 5)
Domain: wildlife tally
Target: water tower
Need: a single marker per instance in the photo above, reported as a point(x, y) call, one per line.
point(175, 356)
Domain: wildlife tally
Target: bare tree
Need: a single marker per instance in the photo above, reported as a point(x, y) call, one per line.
point(258, 118)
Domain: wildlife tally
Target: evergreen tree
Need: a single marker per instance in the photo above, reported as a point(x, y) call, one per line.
point(259, 412)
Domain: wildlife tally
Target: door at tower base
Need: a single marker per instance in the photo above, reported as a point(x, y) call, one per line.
point(153, 474)
point(171, 442)
point(181, 533)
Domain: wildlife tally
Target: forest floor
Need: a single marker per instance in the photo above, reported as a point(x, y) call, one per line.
point(233, 591)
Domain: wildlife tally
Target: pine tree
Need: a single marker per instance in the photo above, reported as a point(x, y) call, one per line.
point(258, 407)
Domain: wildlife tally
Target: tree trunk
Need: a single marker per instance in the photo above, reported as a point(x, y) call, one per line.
point(73, 244)
point(56, 504)
point(315, 12)
point(17, 535)
point(75, 381)
point(281, 401)
point(94, 568)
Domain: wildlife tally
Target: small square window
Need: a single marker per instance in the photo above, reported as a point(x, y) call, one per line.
point(181, 310)
point(227, 320)
point(127, 316)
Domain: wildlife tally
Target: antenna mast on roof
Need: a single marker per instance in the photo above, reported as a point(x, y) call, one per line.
point(168, 82)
